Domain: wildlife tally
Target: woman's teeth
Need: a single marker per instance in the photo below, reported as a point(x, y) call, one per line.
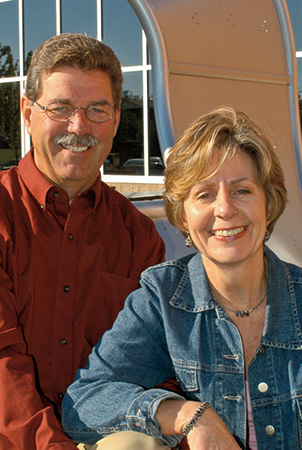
point(226, 233)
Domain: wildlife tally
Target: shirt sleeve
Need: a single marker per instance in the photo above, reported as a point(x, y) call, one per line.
point(116, 391)
point(25, 420)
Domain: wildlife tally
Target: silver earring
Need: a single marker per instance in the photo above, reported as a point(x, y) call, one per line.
point(267, 236)
point(189, 241)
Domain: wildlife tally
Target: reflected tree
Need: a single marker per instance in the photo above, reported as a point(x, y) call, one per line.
point(9, 105)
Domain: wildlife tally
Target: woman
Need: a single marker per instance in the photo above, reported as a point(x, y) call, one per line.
point(225, 321)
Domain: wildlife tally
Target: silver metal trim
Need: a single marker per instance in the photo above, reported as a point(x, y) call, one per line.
point(162, 105)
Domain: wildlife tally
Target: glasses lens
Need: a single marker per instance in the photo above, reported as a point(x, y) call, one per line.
point(59, 111)
point(99, 113)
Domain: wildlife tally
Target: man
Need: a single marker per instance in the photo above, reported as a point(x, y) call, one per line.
point(71, 248)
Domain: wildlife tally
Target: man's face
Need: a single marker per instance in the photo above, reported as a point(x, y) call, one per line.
point(74, 168)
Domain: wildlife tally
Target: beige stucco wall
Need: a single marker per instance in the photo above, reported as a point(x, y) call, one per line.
point(126, 188)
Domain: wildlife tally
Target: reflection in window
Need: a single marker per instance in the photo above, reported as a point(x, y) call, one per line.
point(127, 155)
point(9, 42)
point(79, 16)
point(156, 165)
point(129, 140)
point(295, 10)
point(127, 42)
point(9, 124)
point(39, 25)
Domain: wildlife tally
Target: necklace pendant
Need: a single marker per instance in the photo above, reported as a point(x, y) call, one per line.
point(242, 313)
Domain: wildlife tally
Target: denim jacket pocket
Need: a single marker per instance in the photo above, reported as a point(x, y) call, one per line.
point(186, 374)
point(298, 401)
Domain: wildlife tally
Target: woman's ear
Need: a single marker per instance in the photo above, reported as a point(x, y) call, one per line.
point(184, 219)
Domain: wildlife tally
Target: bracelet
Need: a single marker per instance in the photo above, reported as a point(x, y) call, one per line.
point(191, 423)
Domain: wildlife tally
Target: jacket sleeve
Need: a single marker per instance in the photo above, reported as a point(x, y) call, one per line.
point(116, 391)
point(25, 420)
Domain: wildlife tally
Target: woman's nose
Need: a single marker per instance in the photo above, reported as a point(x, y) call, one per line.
point(225, 205)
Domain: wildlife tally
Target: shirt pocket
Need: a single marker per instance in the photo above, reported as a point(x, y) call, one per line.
point(186, 374)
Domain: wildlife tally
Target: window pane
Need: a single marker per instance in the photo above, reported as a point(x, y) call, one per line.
point(127, 42)
point(9, 124)
point(126, 157)
point(39, 25)
point(9, 41)
point(79, 16)
point(295, 11)
point(156, 165)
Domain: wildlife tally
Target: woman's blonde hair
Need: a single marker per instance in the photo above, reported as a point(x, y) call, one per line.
point(227, 131)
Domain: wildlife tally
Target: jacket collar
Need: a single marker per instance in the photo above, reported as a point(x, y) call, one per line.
point(282, 325)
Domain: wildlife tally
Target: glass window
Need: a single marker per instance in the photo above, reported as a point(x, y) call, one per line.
point(127, 42)
point(9, 124)
point(9, 41)
point(156, 165)
point(295, 11)
point(126, 156)
point(39, 25)
point(79, 16)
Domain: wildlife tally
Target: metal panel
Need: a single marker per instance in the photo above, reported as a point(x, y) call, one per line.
point(206, 53)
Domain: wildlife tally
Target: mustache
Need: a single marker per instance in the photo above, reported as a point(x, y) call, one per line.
point(75, 140)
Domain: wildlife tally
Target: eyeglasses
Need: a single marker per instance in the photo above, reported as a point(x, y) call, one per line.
point(63, 112)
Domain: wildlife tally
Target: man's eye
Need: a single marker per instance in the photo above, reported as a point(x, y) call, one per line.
point(59, 108)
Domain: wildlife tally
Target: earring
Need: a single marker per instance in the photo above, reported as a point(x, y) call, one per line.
point(267, 236)
point(189, 241)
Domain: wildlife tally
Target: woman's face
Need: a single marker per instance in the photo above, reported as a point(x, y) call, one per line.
point(226, 214)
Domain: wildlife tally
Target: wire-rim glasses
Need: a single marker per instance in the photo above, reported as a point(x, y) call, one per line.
point(63, 112)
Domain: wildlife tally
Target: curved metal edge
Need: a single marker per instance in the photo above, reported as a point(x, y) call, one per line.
point(290, 52)
point(159, 61)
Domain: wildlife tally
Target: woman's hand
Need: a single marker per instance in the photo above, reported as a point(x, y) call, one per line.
point(209, 432)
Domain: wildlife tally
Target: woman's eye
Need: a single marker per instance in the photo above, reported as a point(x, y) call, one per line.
point(243, 191)
point(204, 196)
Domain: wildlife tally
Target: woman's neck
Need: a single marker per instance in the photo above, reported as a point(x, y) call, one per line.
point(238, 286)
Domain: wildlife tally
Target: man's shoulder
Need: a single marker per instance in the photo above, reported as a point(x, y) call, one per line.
point(125, 206)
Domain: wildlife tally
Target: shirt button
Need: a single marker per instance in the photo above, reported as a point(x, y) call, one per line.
point(262, 387)
point(60, 396)
point(63, 341)
point(270, 430)
point(70, 236)
point(56, 194)
point(262, 350)
point(66, 288)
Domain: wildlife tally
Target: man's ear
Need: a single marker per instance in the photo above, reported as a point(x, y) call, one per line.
point(26, 108)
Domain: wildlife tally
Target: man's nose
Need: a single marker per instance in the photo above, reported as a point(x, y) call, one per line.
point(78, 123)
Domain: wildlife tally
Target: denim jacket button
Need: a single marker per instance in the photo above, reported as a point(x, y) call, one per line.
point(137, 424)
point(262, 387)
point(270, 430)
point(262, 350)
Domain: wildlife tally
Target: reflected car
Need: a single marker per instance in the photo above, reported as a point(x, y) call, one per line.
point(135, 166)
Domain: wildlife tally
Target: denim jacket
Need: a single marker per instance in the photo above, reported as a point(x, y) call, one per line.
point(172, 327)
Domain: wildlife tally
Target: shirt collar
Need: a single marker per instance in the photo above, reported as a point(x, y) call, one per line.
point(40, 186)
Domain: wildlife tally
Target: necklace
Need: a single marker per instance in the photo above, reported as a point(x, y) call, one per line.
point(238, 312)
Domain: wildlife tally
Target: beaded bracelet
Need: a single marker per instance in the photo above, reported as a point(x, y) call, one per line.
point(191, 423)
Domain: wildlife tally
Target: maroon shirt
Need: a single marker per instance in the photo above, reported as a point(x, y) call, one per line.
point(64, 275)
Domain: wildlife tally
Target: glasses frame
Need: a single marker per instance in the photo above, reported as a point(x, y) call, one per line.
point(75, 109)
